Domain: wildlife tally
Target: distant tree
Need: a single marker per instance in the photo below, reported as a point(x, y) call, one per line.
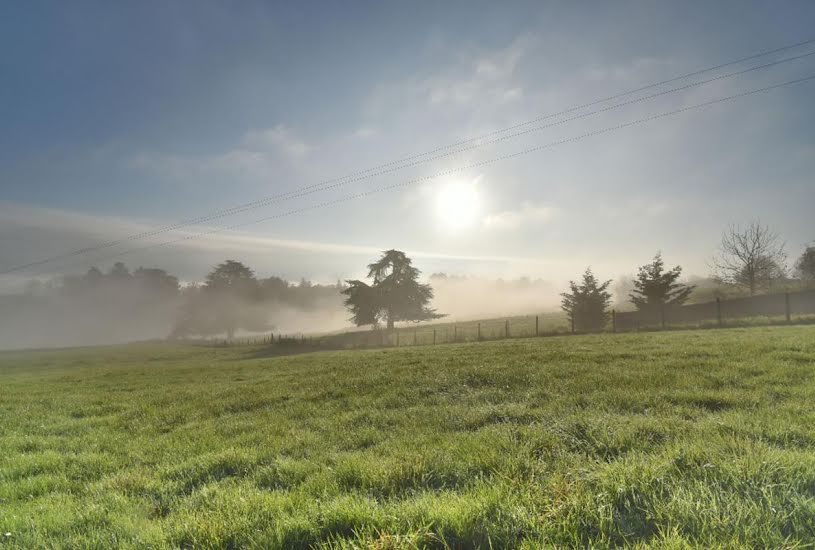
point(193, 316)
point(394, 295)
point(157, 282)
point(751, 257)
point(229, 300)
point(587, 304)
point(119, 272)
point(93, 277)
point(275, 288)
point(805, 265)
point(233, 276)
point(654, 286)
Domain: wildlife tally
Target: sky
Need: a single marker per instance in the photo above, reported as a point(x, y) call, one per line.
point(116, 119)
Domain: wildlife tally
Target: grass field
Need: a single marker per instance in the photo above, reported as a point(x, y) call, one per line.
point(671, 440)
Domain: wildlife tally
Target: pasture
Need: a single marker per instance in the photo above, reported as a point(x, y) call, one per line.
point(668, 440)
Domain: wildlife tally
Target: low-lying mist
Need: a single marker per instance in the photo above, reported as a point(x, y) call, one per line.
point(465, 298)
point(118, 307)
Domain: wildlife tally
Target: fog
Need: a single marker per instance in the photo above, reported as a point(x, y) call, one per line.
point(118, 307)
point(108, 316)
point(465, 298)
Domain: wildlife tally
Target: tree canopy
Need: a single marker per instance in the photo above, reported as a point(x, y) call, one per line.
point(227, 302)
point(655, 286)
point(395, 293)
point(587, 304)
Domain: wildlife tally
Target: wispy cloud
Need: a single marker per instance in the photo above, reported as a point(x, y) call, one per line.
point(528, 214)
point(69, 230)
point(279, 138)
point(471, 78)
point(257, 154)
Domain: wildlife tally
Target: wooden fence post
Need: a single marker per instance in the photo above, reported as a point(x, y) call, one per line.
point(506, 329)
point(662, 315)
point(455, 333)
point(397, 338)
point(787, 306)
point(434, 337)
point(536, 325)
point(572, 320)
point(719, 311)
point(479, 332)
point(613, 320)
point(414, 336)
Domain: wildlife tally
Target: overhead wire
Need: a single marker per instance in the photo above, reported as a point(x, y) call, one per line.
point(470, 166)
point(413, 160)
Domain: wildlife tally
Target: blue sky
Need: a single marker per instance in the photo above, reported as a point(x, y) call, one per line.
point(117, 118)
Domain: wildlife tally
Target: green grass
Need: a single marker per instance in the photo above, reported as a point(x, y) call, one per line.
point(669, 440)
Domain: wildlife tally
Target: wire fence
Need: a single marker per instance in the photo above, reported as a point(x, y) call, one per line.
point(786, 307)
point(789, 307)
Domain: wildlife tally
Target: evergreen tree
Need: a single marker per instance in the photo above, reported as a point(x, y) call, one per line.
point(587, 304)
point(655, 287)
point(394, 295)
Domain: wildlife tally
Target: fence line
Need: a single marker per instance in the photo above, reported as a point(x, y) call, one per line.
point(782, 306)
point(765, 309)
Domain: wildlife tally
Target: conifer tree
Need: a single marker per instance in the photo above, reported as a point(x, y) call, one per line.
point(395, 294)
point(655, 286)
point(587, 304)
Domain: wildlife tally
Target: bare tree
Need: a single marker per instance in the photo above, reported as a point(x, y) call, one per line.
point(752, 256)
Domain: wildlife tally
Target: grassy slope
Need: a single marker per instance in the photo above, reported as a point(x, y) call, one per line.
point(701, 437)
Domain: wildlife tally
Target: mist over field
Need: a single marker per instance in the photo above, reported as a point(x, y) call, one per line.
point(53, 315)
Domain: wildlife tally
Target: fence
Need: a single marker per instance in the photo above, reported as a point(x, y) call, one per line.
point(788, 306)
point(468, 331)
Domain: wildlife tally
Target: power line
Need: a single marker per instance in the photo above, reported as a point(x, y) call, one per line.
point(478, 164)
point(411, 161)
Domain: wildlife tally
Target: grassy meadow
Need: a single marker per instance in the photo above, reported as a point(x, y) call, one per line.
point(667, 440)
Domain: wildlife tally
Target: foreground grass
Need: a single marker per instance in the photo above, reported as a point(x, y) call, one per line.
point(697, 438)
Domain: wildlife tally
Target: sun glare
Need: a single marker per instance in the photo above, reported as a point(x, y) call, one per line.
point(458, 204)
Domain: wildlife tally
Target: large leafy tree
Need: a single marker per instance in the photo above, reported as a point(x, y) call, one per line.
point(587, 303)
point(228, 300)
point(656, 286)
point(395, 293)
point(156, 281)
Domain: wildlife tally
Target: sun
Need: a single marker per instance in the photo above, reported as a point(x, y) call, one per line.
point(458, 204)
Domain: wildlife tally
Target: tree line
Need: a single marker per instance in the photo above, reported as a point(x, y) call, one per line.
point(752, 258)
point(232, 298)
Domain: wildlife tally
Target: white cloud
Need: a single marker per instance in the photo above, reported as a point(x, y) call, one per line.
point(528, 214)
point(469, 79)
point(258, 154)
point(365, 132)
point(280, 138)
